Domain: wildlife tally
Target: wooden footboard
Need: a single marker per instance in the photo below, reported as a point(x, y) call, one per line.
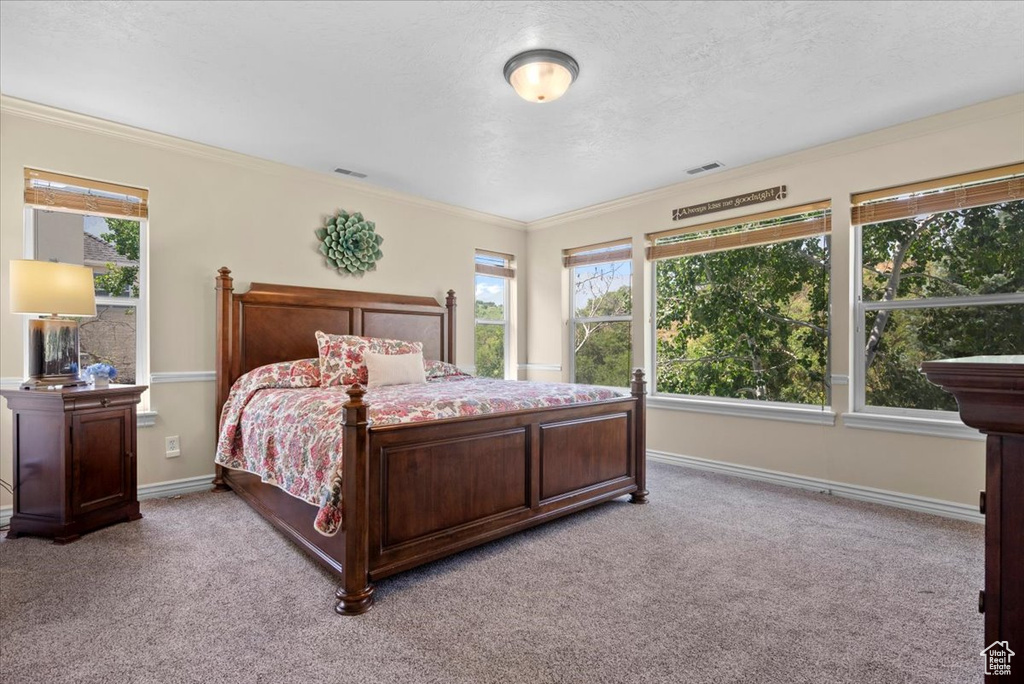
point(417, 492)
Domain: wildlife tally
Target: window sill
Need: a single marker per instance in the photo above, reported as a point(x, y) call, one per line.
point(914, 425)
point(792, 413)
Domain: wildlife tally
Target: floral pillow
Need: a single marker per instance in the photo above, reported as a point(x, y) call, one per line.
point(439, 369)
point(342, 356)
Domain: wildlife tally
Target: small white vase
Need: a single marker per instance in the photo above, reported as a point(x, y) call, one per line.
point(100, 381)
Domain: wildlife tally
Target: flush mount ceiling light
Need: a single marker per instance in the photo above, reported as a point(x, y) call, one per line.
point(541, 75)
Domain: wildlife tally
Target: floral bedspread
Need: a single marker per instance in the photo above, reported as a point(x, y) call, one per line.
point(278, 422)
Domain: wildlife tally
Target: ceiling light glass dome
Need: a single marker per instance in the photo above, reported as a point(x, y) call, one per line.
point(541, 75)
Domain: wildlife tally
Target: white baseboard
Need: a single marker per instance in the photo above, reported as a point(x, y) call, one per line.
point(911, 502)
point(189, 485)
point(157, 490)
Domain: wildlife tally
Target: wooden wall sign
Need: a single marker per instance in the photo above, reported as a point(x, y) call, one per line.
point(757, 197)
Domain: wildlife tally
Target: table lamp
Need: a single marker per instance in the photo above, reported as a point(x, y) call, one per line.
point(46, 287)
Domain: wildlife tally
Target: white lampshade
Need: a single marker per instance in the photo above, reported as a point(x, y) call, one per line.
point(46, 287)
point(541, 75)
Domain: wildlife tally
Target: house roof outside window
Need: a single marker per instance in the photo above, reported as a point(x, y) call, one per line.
point(99, 253)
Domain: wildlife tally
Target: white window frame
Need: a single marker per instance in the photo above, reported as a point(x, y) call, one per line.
point(506, 321)
point(814, 414)
point(573, 320)
point(146, 417)
point(895, 418)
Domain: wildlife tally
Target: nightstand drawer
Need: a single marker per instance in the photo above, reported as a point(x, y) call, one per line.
point(95, 402)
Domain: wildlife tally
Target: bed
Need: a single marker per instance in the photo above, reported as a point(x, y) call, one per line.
point(501, 472)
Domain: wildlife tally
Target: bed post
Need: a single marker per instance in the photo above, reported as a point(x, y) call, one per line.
point(225, 290)
point(355, 595)
point(639, 390)
point(450, 305)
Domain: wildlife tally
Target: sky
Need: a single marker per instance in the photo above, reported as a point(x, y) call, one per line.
point(618, 273)
point(95, 225)
point(490, 289)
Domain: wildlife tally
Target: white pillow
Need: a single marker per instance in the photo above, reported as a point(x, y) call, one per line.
point(394, 369)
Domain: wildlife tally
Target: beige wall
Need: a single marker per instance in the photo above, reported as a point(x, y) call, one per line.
point(986, 135)
point(211, 208)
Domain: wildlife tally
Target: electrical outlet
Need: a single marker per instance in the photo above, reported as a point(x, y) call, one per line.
point(172, 446)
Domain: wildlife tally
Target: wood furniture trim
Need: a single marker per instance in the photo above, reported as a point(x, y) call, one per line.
point(417, 492)
point(990, 394)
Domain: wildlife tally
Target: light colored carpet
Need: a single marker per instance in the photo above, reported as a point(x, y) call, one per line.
point(717, 580)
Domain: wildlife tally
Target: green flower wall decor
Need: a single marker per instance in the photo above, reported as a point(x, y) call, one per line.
point(350, 243)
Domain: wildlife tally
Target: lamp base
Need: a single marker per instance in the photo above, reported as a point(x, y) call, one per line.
point(52, 353)
point(53, 382)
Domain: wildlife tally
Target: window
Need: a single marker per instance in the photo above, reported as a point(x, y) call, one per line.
point(742, 307)
point(601, 313)
point(941, 275)
point(494, 272)
point(103, 226)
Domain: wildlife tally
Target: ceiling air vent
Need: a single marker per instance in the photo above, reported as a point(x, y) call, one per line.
point(702, 169)
point(348, 172)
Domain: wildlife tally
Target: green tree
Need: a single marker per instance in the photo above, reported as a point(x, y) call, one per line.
point(490, 341)
point(746, 323)
point(969, 252)
point(123, 234)
point(602, 348)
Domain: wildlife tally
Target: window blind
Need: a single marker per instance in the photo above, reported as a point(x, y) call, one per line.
point(778, 225)
point(495, 264)
point(600, 253)
point(58, 192)
point(977, 189)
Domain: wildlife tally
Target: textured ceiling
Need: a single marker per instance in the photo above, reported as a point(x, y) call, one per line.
point(412, 93)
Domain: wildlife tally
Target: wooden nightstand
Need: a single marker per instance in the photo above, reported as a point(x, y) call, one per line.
point(74, 460)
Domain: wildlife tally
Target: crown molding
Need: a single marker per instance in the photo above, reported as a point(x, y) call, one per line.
point(59, 117)
point(908, 130)
point(992, 109)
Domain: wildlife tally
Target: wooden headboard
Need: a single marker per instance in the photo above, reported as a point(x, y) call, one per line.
point(272, 323)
